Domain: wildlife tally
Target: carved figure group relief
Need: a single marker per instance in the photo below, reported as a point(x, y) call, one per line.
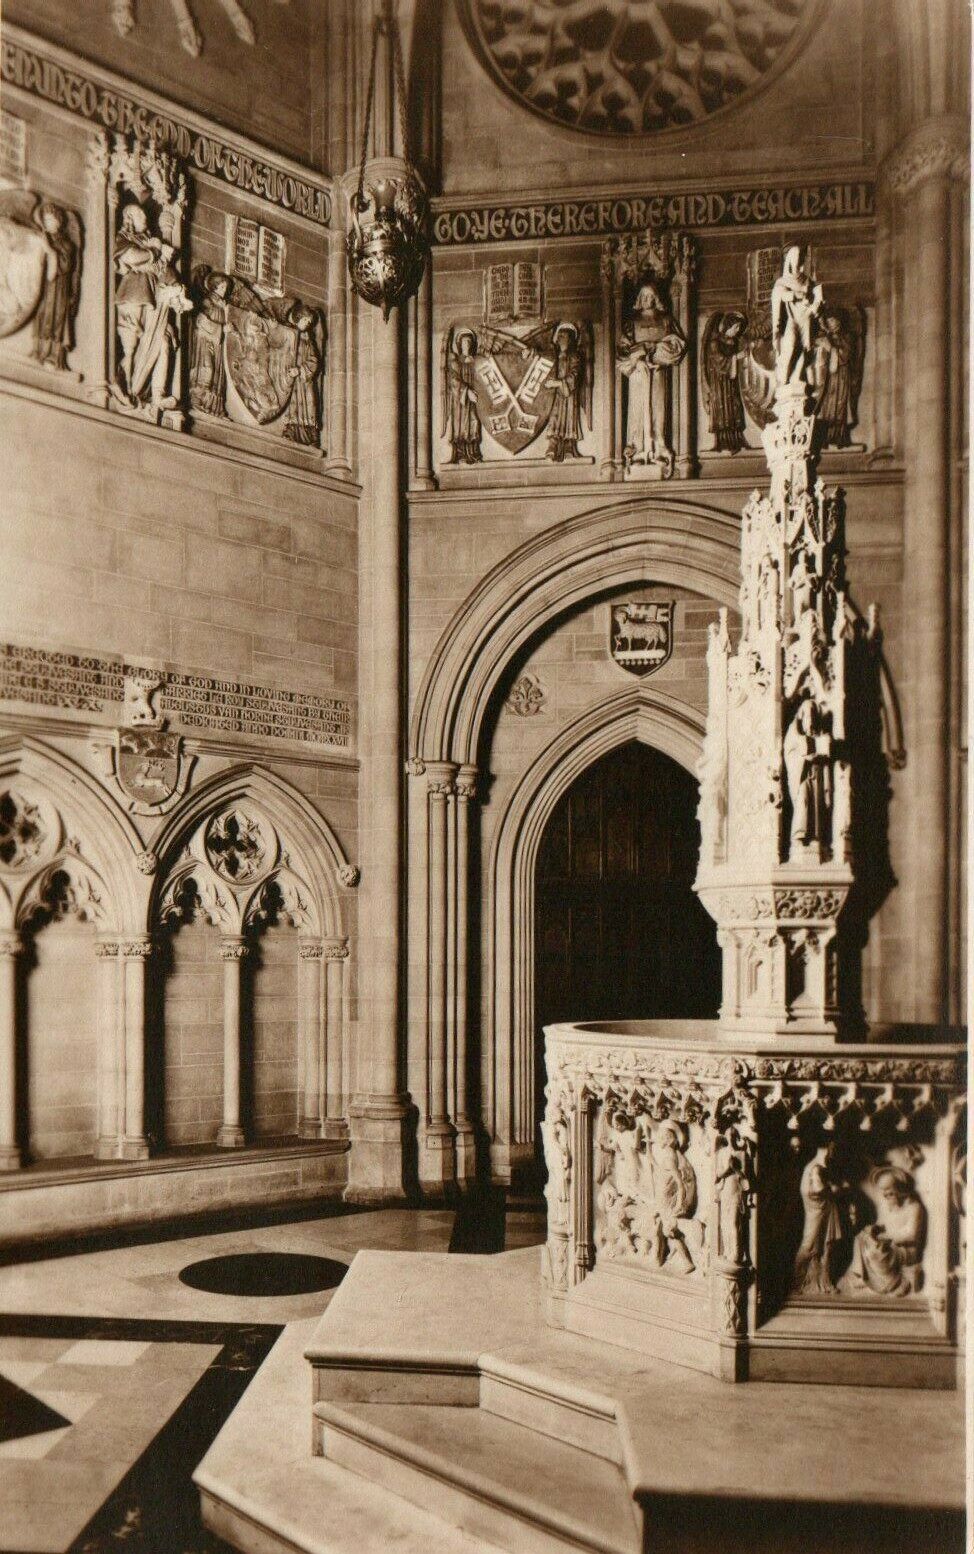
point(256, 358)
point(860, 1237)
point(786, 334)
point(517, 387)
point(646, 1191)
point(41, 246)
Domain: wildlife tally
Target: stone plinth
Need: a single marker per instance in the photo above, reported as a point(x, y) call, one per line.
point(772, 1211)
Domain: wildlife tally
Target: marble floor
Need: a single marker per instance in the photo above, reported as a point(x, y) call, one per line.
point(115, 1375)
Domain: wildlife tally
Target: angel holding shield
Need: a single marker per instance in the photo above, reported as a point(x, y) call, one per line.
point(461, 419)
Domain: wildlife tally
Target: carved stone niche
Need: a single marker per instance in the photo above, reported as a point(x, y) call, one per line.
point(773, 1214)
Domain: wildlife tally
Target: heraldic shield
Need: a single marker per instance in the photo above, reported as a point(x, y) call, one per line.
point(260, 351)
point(23, 259)
point(513, 385)
point(641, 636)
point(149, 768)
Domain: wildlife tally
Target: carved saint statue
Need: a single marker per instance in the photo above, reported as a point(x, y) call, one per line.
point(796, 302)
point(807, 753)
point(653, 342)
point(207, 372)
point(303, 422)
point(54, 318)
point(571, 379)
point(149, 299)
point(731, 1188)
point(558, 1159)
point(886, 1256)
point(461, 419)
point(724, 344)
point(837, 372)
point(823, 1226)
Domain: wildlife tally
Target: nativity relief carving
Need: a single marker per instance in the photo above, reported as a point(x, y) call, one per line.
point(647, 1194)
point(863, 1233)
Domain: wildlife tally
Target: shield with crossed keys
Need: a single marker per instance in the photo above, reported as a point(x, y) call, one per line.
point(511, 382)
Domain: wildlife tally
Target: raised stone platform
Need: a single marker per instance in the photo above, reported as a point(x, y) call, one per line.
point(441, 1399)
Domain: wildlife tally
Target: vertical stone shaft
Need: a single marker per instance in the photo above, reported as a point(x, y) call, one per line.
point(335, 953)
point(466, 790)
point(9, 1150)
point(310, 1039)
point(927, 509)
point(439, 790)
point(232, 951)
point(109, 1078)
point(136, 954)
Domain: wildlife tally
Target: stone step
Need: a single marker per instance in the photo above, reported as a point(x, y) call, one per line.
point(551, 1405)
point(492, 1479)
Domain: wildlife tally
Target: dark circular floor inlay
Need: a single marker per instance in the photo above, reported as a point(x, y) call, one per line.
point(264, 1273)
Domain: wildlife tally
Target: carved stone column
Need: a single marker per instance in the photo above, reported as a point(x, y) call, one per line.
point(684, 430)
point(9, 1147)
point(378, 1111)
point(97, 327)
point(609, 462)
point(311, 1041)
point(232, 952)
point(338, 378)
point(111, 1071)
point(466, 794)
point(921, 173)
point(135, 956)
point(437, 1158)
point(421, 379)
point(334, 1124)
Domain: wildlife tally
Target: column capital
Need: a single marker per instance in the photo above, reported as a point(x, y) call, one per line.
point(107, 949)
point(441, 779)
point(467, 783)
point(937, 148)
point(233, 947)
point(335, 949)
point(311, 951)
point(10, 942)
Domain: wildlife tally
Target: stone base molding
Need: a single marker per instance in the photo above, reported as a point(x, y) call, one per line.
point(771, 1212)
point(377, 1130)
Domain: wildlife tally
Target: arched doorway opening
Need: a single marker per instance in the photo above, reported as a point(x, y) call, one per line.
point(619, 932)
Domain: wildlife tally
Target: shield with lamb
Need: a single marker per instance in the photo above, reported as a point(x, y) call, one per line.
point(641, 636)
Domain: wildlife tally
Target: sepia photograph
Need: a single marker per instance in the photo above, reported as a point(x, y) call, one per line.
point(484, 705)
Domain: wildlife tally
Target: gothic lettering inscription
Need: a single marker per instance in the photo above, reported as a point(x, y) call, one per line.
point(625, 213)
point(26, 67)
point(85, 683)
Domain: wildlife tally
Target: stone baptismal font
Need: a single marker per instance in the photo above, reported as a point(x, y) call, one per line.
point(773, 1195)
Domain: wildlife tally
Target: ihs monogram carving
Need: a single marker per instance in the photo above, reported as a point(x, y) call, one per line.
point(40, 273)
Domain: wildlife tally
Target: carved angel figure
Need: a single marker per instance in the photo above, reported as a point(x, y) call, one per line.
point(796, 302)
point(54, 318)
point(207, 371)
point(461, 419)
point(837, 372)
point(303, 422)
point(823, 1226)
point(571, 378)
point(886, 1256)
point(724, 345)
point(652, 344)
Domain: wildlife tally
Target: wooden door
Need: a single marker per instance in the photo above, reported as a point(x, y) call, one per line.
point(619, 933)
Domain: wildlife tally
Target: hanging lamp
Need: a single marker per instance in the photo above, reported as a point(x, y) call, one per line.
point(386, 241)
